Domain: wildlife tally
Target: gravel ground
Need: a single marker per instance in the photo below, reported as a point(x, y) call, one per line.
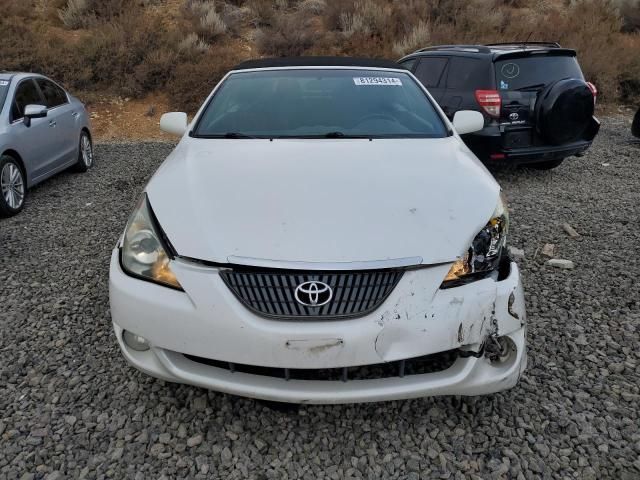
point(71, 408)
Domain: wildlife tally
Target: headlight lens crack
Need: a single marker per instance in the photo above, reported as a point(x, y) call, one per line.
point(484, 254)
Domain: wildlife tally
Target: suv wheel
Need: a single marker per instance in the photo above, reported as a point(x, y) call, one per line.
point(13, 188)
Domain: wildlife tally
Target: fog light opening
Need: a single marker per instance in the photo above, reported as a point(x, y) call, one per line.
point(500, 349)
point(135, 342)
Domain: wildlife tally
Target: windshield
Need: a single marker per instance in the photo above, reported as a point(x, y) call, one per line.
point(535, 71)
point(318, 103)
point(4, 88)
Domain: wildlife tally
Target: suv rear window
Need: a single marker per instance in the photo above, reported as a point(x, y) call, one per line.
point(535, 71)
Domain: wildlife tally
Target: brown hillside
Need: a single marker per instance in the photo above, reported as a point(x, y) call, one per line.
point(170, 53)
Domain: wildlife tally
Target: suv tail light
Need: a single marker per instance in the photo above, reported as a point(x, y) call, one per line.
point(490, 101)
point(594, 90)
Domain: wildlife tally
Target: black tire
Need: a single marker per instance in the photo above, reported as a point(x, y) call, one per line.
point(85, 158)
point(635, 126)
point(13, 187)
point(548, 165)
point(564, 111)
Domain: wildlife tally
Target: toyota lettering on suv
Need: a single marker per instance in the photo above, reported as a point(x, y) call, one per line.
point(321, 234)
point(538, 108)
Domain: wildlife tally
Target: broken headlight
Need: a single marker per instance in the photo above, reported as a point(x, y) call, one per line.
point(144, 254)
point(485, 252)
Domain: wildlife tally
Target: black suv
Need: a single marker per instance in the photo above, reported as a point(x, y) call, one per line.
point(537, 106)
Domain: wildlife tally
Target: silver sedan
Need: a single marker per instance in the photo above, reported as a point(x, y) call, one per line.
point(43, 130)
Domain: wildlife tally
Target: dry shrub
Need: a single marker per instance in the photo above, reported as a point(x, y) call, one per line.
point(375, 14)
point(123, 47)
point(334, 10)
point(128, 56)
point(49, 9)
point(192, 44)
point(192, 82)
point(358, 17)
point(235, 17)
point(262, 12)
point(74, 15)
point(312, 7)
point(108, 10)
point(212, 24)
point(630, 12)
point(418, 37)
point(209, 22)
point(291, 34)
point(352, 23)
point(87, 13)
point(153, 71)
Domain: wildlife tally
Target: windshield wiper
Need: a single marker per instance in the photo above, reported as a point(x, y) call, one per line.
point(339, 134)
point(236, 135)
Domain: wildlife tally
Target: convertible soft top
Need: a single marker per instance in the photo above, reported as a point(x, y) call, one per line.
point(317, 62)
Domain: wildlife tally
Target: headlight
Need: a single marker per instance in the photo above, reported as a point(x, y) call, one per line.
point(143, 253)
point(483, 256)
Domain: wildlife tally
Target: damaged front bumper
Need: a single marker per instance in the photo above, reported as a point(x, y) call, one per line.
point(420, 342)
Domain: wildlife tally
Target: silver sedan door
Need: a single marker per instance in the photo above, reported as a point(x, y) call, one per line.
point(62, 120)
point(33, 142)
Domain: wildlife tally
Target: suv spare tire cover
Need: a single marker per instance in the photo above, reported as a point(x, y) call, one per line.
point(563, 110)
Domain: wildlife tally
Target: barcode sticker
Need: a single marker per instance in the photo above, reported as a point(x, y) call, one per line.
point(385, 81)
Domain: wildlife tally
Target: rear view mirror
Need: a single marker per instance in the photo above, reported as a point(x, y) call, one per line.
point(467, 121)
point(174, 123)
point(33, 111)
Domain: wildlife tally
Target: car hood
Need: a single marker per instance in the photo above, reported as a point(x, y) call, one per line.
point(326, 200)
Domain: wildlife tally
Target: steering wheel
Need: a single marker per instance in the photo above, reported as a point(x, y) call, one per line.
point(373, 116)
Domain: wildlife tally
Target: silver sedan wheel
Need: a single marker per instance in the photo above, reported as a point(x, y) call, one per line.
point(86, 151)
point(12, 185)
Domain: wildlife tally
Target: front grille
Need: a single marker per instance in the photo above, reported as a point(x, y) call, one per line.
point(437, 362)
point(272, 293)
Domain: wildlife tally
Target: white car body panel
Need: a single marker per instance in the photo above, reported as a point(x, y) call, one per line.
point(323, 200)
point(322, 203)
point(211, 323)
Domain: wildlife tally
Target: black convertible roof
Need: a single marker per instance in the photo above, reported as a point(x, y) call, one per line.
point(317, 62)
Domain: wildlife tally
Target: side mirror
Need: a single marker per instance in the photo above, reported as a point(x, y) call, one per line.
point(33, 111)
point(174, 123)
point(467, 121)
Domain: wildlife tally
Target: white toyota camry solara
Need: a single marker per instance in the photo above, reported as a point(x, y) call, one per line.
point(321, 234)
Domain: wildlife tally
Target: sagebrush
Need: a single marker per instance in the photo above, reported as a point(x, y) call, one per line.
point(135, 47)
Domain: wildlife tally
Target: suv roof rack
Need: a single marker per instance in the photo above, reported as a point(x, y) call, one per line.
point(524, 44)
point(474, 48)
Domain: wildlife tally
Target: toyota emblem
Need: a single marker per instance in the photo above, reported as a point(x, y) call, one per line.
point(514, 116)
point(313, 294)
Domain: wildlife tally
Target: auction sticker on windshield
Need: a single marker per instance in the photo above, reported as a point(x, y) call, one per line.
point(393, 81)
